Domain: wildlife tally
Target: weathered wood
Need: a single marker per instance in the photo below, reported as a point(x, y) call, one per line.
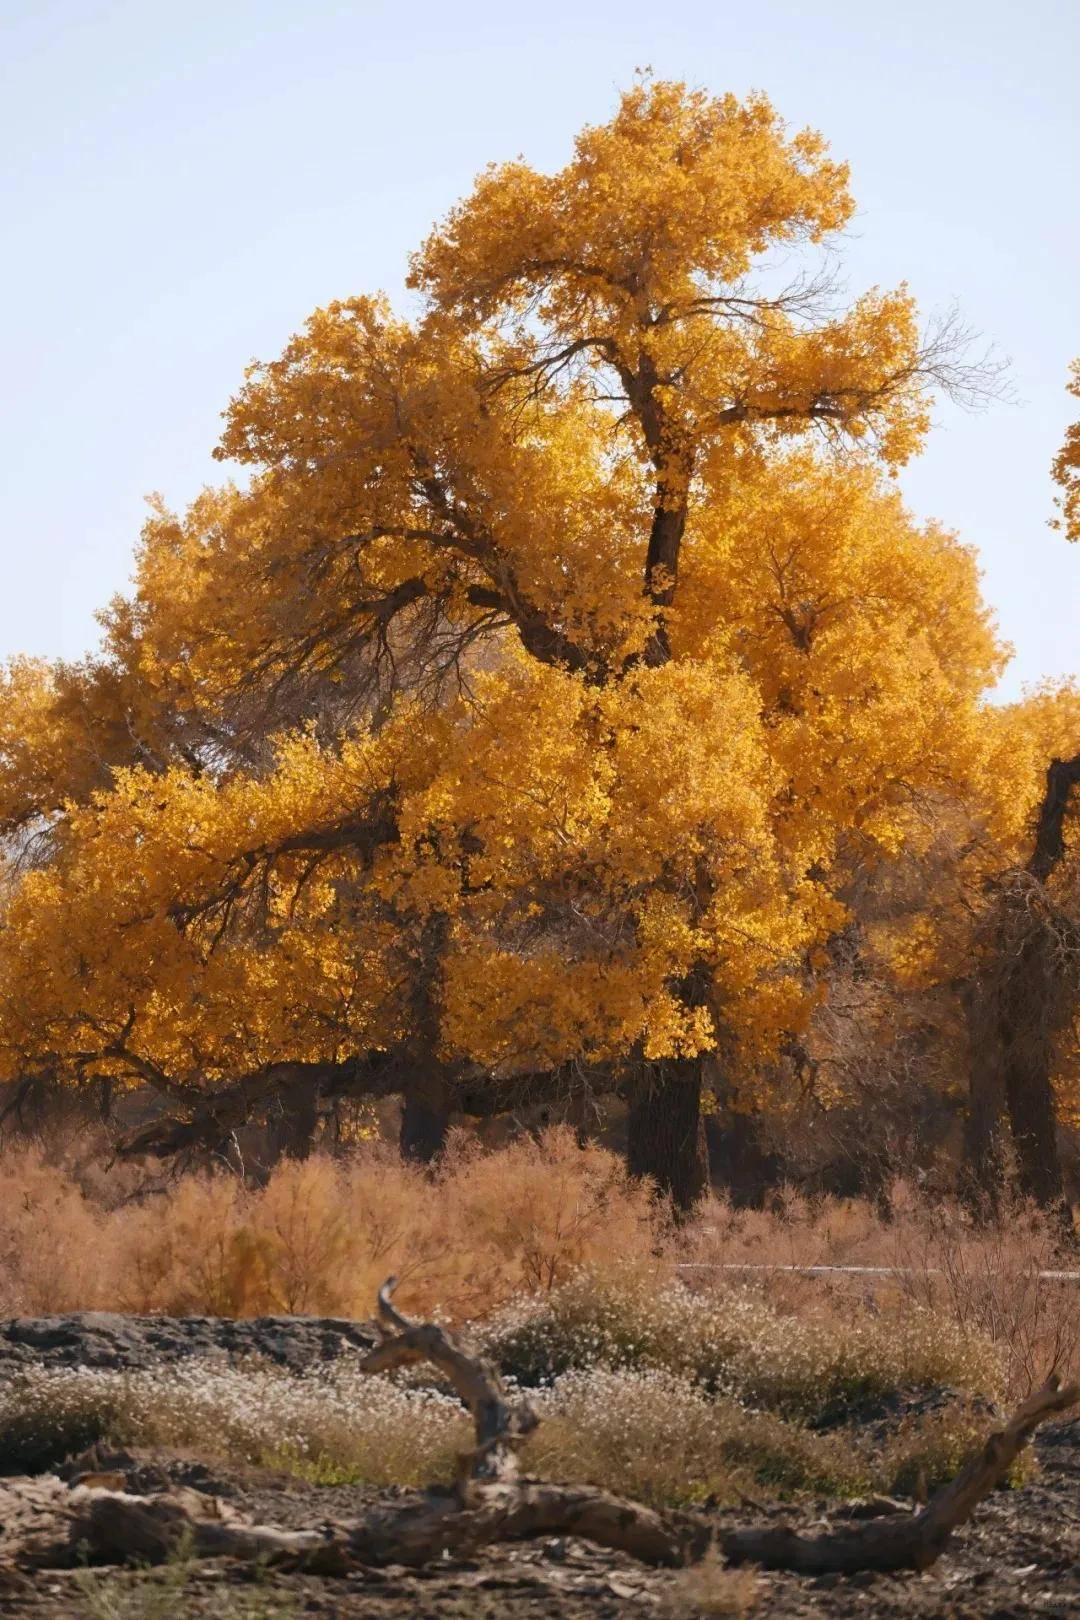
point(501, 1424)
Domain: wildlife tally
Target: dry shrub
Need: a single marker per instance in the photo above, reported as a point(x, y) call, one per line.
point(317, 1239)
point(921, 1451)
point(543, 1209)
point(733, 1342)
point(54, 1252)
point(643, 1433)
point(371, 1428)
point(324, 1233)
point(525, 1219)
point(792, 1230)
point(660, 1438)
point(711, 1588)
point(992, 1281)
point(986, 1278)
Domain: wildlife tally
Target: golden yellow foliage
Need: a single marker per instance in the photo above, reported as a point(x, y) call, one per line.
point(1066, 468)
point(576, 621)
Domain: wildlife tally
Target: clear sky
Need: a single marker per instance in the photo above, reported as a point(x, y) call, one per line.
point(183, 181)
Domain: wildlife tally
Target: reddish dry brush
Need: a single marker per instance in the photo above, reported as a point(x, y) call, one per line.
point(322, 1233)
point(995, 1279)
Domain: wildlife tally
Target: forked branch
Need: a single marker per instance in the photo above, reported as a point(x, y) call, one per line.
point(500, 1423)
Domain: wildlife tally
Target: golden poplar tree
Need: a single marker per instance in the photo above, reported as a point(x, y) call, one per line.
point(522, 718)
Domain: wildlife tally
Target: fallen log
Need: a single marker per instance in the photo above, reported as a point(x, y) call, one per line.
point(491, 1502)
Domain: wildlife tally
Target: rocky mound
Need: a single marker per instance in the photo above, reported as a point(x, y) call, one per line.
point(102, 1339)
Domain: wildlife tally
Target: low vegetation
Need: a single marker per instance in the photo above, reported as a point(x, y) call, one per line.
point(710, 1589)
point(174, 1589)
point(320, 1235)
point(735, 1343)
point(657, 1377)
point(569, 1262)
point(657, 1436)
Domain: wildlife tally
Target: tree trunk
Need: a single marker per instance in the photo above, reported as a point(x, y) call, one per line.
point(425, 1103)
point(666, 1134)
point(984, 1128)
point(425, 1119)
point(1031, 998)
point(1027, 1070)
point(293, 1120)
point(737, 1161)
point(1033, 1011)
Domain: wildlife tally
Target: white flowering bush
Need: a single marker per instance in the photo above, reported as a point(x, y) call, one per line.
point(659, 1437)
point(654, 1435)
point(645, 1388)
point(809, 1369)
point(646, 1432)
point(370, 1427)
point(46, 1416)
point(734, 1343)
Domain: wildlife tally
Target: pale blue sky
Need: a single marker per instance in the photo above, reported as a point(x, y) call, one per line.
point(183, 182)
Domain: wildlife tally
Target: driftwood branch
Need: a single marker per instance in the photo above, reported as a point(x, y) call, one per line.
point(903, 1540)
point(490, 1502)
point(500, 1423)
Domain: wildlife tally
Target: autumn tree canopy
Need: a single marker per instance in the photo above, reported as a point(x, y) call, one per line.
point(537, 703)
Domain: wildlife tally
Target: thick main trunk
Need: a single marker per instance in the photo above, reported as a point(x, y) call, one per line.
point(738, 1162)
point(666, 1135)
point(425, 1120)
point(1027, 1073)
point(1034, 1006)
point(1027, 1079)
point(984, 1130)
point(293, 1120)
point(1028, 1001)
point(1034, 1129)
point(425, 1101)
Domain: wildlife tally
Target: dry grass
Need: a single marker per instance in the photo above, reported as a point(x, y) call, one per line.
point(736, 1386)
point(648, 1434)
point(372, 1429)
point(182, 1585)
point(987, 1279)
point(660, 1438)
point(732, 1342)
point(992, 1282)
point(51, 1240)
